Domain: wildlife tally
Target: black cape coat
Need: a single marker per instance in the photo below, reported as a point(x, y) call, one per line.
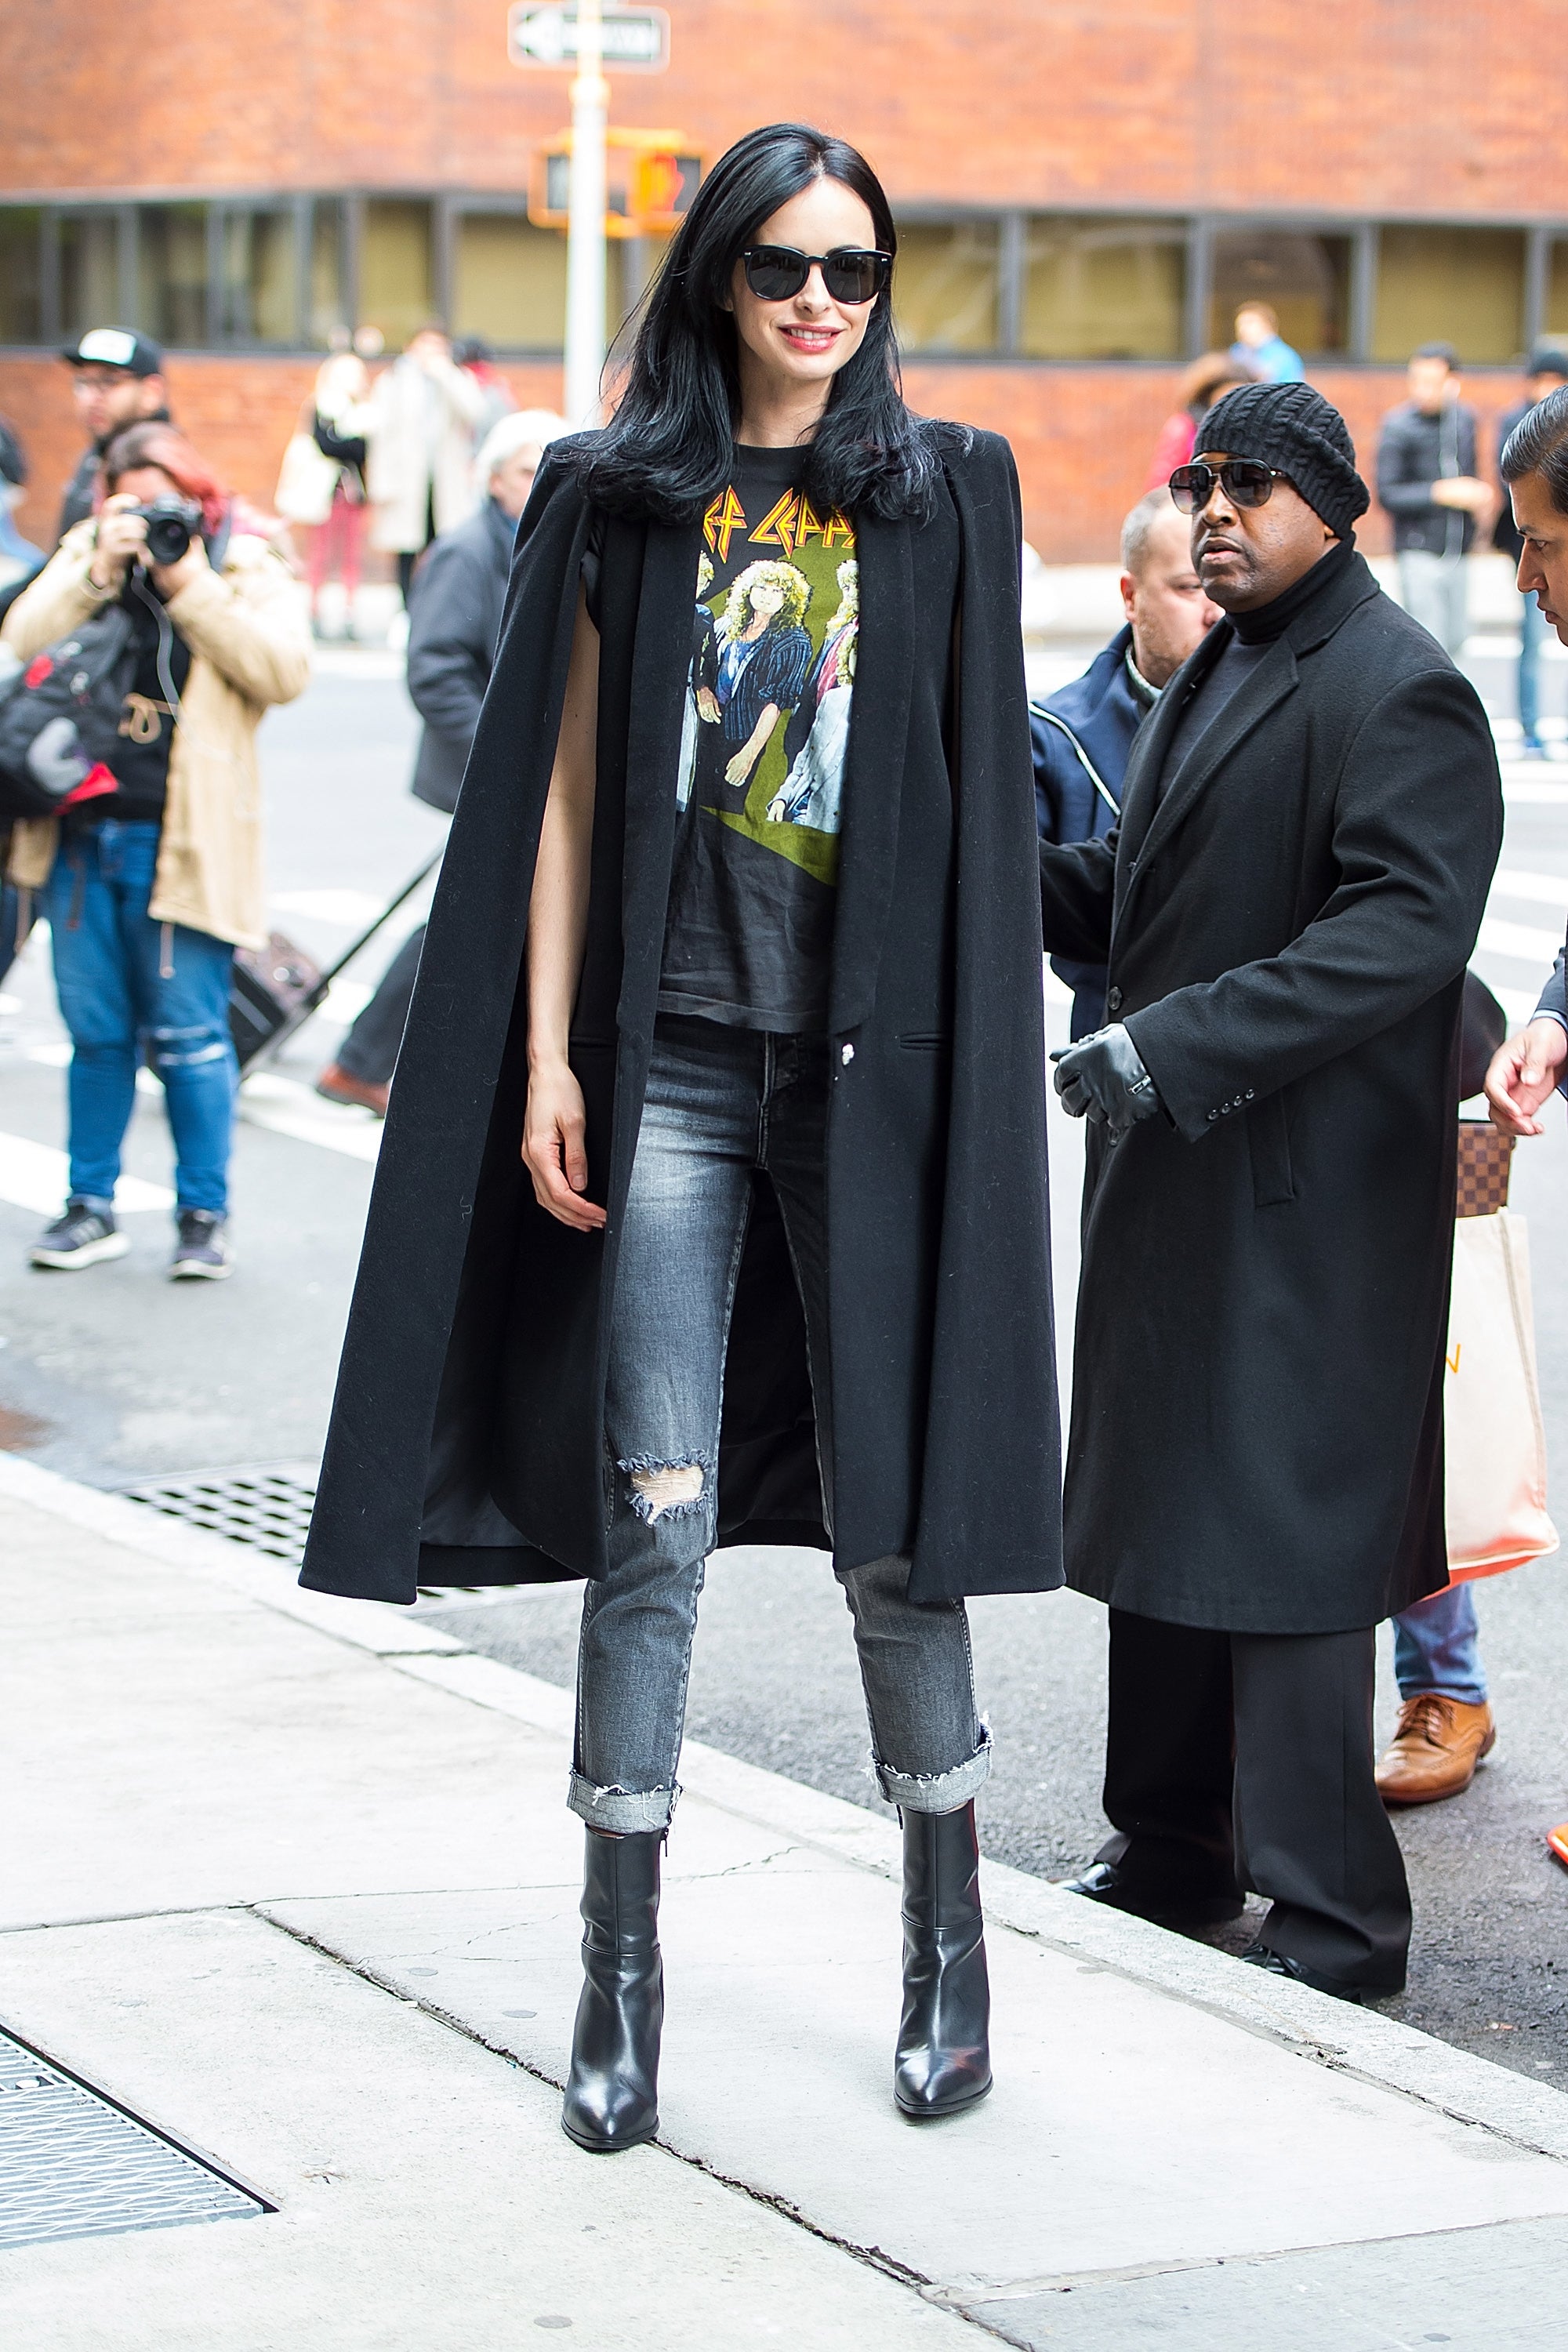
point(1257, 1438)
point(466, 1442)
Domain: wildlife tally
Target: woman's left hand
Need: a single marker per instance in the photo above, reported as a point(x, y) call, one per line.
point(169, 578)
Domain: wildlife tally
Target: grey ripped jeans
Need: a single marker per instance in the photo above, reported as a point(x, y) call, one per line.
point(722, 1102)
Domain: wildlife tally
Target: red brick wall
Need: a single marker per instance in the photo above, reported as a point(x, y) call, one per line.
point(1355, 105)
point(1083, 436)
point(1368, 106)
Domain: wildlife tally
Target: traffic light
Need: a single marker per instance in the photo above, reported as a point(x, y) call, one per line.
point(660, 185)
point(653, 176)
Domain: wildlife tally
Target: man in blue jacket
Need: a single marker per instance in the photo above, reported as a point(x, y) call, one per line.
point(1083, 732)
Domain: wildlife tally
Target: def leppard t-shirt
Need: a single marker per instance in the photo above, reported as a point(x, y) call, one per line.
point(759, 788)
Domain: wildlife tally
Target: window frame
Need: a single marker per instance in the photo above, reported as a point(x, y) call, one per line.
point(1010, 226)
point(1183, 223)
point(450, 206)
point(1360, 293)
point(452, 212)
point(298, 210)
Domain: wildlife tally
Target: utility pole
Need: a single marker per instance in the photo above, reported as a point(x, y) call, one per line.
point(586, 287)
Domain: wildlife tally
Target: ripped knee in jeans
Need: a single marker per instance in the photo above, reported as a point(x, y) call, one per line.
point(659, 1490)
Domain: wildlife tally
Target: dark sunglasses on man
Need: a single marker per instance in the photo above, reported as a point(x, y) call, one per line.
point(1244, 480)
point(851, 273)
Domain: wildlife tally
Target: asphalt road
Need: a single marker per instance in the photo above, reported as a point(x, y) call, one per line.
point(119, 1378)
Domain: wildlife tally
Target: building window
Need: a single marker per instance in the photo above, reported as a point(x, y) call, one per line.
point(1459, 286)
point(171, 272)
point(21, 274)
point(509, 282)
point(328, 305)
point(1103, 288)
point(946, 288)
point(1303, 276)
point(259, 292)
point(90, 271)
point(396, 268)
point(1554, 310)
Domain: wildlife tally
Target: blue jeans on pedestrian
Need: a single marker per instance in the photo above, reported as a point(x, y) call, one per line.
point(721, 1103)
point(15, 922)
point(1531, 637)
point(1436, 1647)
point(130, 987)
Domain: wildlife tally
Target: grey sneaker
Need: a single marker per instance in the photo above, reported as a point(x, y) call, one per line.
point(84, 1235)
point(202, 1252)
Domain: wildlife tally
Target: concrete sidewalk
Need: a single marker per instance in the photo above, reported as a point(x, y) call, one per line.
point(294, 1878)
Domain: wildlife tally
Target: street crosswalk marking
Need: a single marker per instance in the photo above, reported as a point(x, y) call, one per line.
point(1520, 942)
point(266, 1099)
point(1539, 889)
point(350, 908)
point(36, 1176)
point(289, 1108)
point(32, 1175)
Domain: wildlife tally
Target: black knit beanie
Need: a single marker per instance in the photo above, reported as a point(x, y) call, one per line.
point(1293, 429)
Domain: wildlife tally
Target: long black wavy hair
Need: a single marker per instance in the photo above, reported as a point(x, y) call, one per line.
point(670, 447)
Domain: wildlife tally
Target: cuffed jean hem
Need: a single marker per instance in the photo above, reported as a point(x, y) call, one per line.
point(624, 1812)
point(937, 1792)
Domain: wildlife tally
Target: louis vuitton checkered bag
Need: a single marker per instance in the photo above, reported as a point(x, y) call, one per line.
point(1484, 1158)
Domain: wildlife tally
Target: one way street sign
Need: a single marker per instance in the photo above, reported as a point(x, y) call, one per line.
point(544, 33)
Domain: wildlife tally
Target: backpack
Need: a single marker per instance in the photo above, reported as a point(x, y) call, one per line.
point(60, 720)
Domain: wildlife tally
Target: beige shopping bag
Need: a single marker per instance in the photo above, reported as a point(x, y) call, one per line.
point(306, 482)
point(1496, 1446)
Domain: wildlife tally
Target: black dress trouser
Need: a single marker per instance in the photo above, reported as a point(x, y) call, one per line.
point(1238, 1761)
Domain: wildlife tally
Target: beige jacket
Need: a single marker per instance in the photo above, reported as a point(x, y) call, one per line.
point(250, 645)
point(419, 425)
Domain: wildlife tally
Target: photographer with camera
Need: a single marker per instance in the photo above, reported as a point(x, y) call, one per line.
point(152, 873)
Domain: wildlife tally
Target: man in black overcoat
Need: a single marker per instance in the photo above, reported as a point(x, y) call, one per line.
point(1255, 1480)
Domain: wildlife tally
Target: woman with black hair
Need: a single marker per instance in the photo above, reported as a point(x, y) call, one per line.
point(773, 1266)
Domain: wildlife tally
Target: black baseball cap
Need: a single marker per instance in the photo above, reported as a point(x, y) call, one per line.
point(1547, 359)
point(115, 347)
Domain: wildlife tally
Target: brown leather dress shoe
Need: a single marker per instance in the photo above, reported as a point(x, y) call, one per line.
point(341, 1086)
point(1436, 1749)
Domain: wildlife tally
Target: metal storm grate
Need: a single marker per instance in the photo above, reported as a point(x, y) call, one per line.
point(74, 2164)
point(268, 1509)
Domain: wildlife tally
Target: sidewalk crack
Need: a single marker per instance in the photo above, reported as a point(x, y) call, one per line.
point(872, 2257)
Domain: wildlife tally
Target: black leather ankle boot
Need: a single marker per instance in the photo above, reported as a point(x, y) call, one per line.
point(612, 2092)
point(944, 2059)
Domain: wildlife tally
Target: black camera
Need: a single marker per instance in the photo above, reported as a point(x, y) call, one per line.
point(171, 524)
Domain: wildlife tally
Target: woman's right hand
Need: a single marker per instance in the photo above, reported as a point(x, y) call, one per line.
point(121, 536)
point(555, 1147)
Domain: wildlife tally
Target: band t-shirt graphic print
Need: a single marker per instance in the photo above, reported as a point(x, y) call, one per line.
point(759, 787)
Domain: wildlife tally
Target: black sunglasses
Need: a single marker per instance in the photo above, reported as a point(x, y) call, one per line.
point(776, 273)
point(1247, 483)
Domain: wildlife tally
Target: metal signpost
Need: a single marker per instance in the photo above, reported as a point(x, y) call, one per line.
point(585, 231)
point(592, 39)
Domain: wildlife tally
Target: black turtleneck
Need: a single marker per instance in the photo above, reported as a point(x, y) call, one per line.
point(1252, 634)
point(1270, 621)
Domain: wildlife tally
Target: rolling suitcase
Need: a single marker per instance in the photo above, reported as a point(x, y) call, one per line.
point(275, 988)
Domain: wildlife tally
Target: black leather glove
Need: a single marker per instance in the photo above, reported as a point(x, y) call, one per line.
point(1103, 1077)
